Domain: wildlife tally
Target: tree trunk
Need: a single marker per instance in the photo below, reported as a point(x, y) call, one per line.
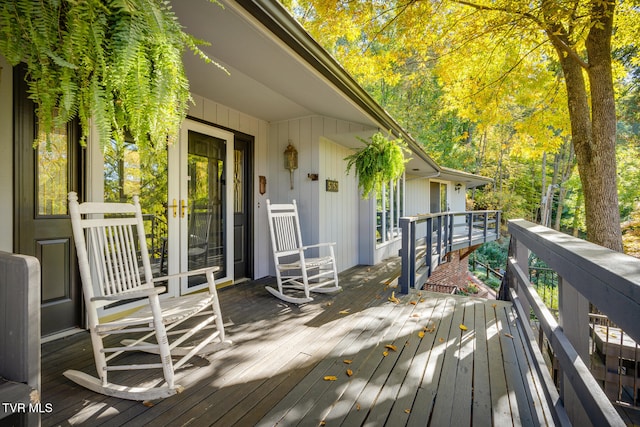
point(601, 202)
point(543, 189)
point(593, 132)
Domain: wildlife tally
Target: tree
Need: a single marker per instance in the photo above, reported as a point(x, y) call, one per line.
point(494, 55)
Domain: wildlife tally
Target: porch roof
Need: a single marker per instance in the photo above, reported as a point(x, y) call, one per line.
point(470, 180)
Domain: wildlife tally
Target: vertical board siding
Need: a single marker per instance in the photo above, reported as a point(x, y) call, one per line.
point(416, 196)
point(339, 211)
point(324, 216)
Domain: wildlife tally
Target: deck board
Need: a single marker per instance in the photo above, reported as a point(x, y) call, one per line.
point(274, 372)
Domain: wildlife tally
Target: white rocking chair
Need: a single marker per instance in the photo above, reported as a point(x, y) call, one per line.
point(303, 274)
point(109, 260)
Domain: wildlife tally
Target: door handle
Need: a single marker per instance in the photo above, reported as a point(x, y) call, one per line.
point(174, 206)
point(182, 207)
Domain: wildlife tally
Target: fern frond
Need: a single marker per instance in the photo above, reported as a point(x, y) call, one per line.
point(116, 62)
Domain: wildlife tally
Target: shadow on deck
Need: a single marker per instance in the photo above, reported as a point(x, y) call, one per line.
point(436, 373)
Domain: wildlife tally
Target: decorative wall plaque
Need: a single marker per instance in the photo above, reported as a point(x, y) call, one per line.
point(332, 186)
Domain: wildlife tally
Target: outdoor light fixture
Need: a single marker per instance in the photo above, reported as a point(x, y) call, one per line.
point(291, 160)
point(458, 187)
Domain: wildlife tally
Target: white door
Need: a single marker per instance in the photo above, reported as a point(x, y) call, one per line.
point(185, 201)
point(200, 177)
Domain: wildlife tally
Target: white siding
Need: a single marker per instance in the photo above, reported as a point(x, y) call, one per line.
point(416, 196)
point(339, 211)
point(324, 216)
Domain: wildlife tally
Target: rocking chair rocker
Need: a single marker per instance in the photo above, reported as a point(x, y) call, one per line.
point(304, 274)
point(110, 270)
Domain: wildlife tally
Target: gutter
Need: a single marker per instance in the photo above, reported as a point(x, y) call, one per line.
point(279, 21)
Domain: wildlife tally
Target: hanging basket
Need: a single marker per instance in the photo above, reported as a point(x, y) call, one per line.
point(381, 160)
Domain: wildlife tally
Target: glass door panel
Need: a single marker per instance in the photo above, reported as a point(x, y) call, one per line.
point(206, 230)
point(206, 221)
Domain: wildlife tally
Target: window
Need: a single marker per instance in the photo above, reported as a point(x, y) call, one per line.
point(389, 210)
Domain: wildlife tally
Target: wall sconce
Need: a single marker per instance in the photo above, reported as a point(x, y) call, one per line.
point(263, 184)
point(458, 187)
point(291, 161)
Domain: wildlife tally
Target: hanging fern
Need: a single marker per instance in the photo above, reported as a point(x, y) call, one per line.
point(381, 160)
point(116, 62)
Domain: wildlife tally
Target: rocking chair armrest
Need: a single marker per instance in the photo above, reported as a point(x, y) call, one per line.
point(318, 245)
point(143, 293)
point(203, 270)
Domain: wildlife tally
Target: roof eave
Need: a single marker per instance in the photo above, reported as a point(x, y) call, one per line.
point(280, 22)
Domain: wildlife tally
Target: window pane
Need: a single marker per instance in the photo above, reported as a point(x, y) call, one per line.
point(238, 182)
point(52, 161)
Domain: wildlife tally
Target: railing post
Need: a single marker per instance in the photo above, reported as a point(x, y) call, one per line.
point(429, 246)
point(439, 242)
point(521, 254)
point(407, 268)
point(470, 220)
point(486, 226)
point(573, 317)
point(452, 220)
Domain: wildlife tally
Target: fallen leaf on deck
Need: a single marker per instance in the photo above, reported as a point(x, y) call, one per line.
point(323, 423)
point(357, 406)
point(408, 411)
point(464, 328)
point(441, 340)
point(412, 302)
point(421, 334)
point(329, 303)
point(494, 305)
point(385, 353)
point(415, 315)
point(393, 298)
point(330, 378)
point(508, 335)
point(349, 372)
point(421, 299)
point(148, 403)
point(391, 347)
point(344, 311)
point(347, 361)
point(378, 297)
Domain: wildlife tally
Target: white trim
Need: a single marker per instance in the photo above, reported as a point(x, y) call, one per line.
point(182, 183)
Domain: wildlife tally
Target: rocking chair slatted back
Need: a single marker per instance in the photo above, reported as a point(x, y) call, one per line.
point(114, 258)
point(287, 232)
point(113, 251)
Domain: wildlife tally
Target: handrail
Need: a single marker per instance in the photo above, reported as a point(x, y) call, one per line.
point(587, 273)
point(425, 246)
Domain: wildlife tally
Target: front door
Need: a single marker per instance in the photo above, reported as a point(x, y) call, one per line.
point(43, 177)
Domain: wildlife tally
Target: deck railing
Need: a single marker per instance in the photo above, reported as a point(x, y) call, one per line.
point(427, 239)
point(590, 278)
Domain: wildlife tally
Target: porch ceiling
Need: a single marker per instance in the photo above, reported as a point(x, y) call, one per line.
point(267, 80)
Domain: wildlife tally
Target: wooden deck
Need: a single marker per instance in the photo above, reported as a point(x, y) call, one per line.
point(437, 373)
